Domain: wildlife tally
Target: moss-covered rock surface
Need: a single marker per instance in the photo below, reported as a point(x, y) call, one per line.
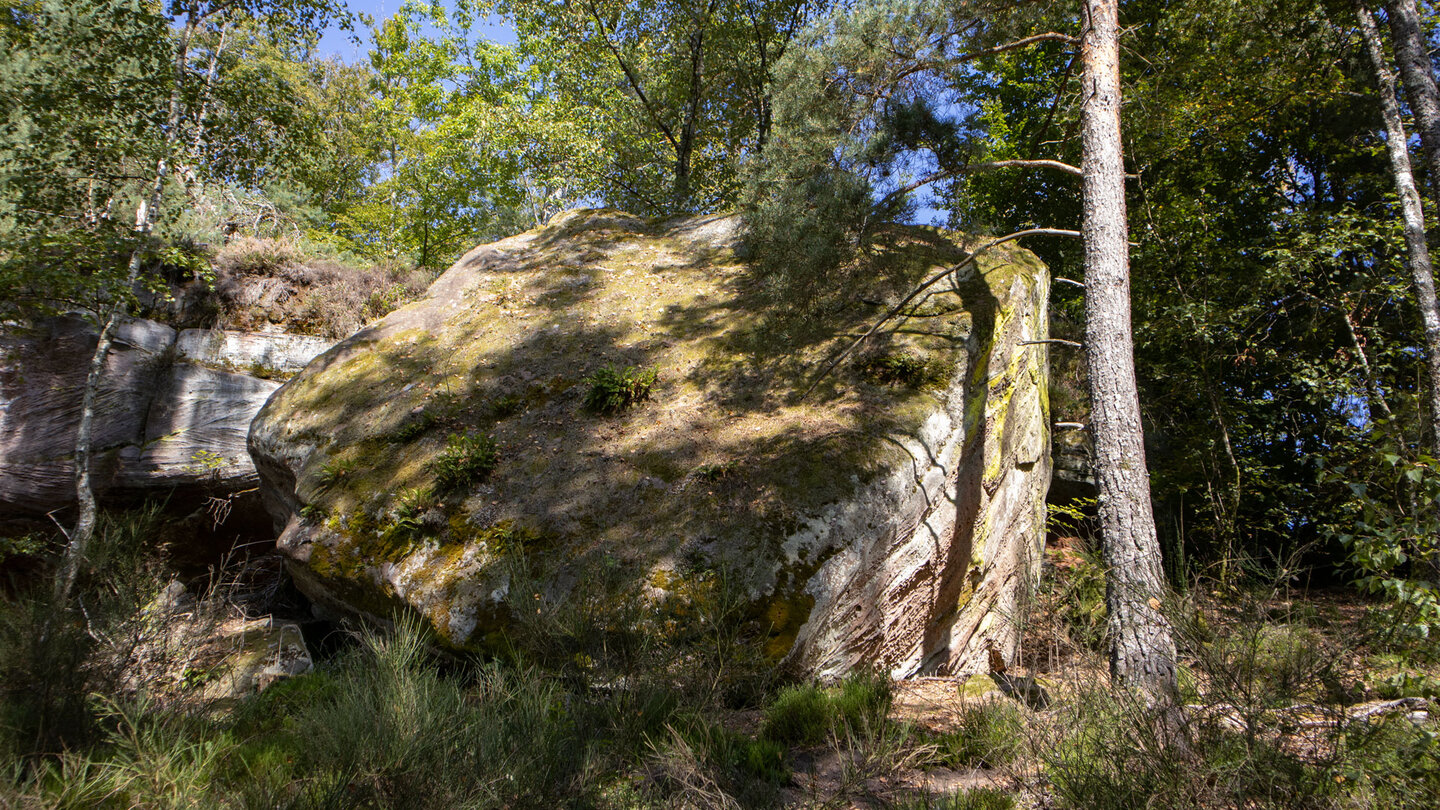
point(444, 461)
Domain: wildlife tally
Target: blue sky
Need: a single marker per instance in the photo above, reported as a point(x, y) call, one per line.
point(339, 43)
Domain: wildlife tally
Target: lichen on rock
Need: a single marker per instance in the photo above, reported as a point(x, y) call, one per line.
point(888, 518)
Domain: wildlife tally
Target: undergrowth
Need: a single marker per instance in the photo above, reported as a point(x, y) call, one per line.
point(467, 459)
point(808, 714)
point(605, 699)
point(988, 735)
point(614, 389)
point(901, 368)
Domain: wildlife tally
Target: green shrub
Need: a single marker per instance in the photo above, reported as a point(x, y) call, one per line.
point(800, 715)
point(714, 473)
point(807, 714)
point(406, 518)
point(25, 545)
point(698, 763)
point(387, 299)
point(1080, 600)
point(334, 472)
point(989, 736)
point(414, 427)
point(268, 711)
point(466, 459)
point(1390, 763)
point(613, 389)
point(744, 756)
point(1390, 524)
point(1408, 684)
point(1109, 752)
point(863, 700)
point(1265, 664)
point(506, 406)
point(53, 659)
point(805, 222)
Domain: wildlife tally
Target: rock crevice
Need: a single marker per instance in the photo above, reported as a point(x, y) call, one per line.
point(174, 408)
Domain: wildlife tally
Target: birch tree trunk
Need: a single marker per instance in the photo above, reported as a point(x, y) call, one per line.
point(1419, 78)
point(1142, 649)
point(1421, 273)
point(78, 540)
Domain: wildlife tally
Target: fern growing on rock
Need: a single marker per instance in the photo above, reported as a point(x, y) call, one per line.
point(613, 390)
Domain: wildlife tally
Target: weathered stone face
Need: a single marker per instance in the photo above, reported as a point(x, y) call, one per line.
point(174, 408)
point(891, 516)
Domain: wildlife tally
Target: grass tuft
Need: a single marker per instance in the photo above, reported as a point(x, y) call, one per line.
point(808, 714)
point(989, 736)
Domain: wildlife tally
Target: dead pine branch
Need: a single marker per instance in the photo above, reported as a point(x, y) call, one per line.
point(925, 285)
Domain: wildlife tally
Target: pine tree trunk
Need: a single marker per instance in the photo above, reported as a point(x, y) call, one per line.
point(1421, 272)
point(1419, 77)
point(1142, 650)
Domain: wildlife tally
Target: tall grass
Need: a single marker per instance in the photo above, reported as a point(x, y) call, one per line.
point(53, 657)
point(505, 739)
point(383, 728)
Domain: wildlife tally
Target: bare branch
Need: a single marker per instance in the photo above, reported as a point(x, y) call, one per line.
point(927, 284)
point(631, 78)
point(989, 165)
point(58, 524)
point(943, 64)
point(1031, 164)
point(1056, 341)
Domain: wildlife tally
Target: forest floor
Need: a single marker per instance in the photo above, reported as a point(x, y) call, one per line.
point(1294, 699)
point(1286, 674)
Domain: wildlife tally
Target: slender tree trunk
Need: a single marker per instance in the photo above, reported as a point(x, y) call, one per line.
point(78, 542)
point(79, 539)
point(1372, 385)
point(685, 147)
point(1142, 650)
point(1419, 76)
point(197, 142)
point(1421, 272)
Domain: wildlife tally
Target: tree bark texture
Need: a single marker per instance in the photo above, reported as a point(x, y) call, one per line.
point(1421, 272)
point(1419, 77)
point(1142, 649)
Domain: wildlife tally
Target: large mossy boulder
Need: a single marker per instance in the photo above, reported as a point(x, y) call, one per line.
point(444, 462)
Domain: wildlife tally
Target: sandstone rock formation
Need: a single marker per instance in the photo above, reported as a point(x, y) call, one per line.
point(174, 408)
point(1073, 460)
point(893, 515)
